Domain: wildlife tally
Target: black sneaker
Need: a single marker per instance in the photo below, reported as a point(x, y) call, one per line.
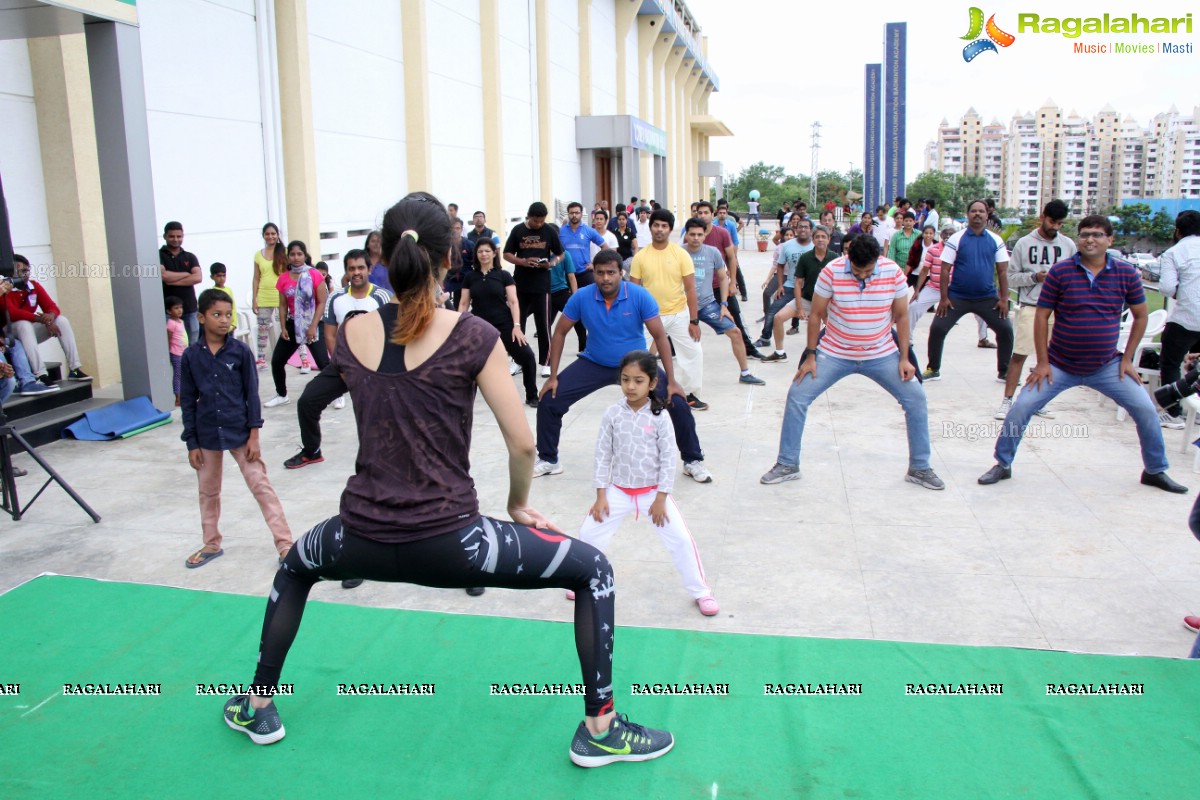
point(300, 460)
point(626, 741)
point(752, 352)
point(261, 725)
point(352, 583)
point(774, 358)
point(476, 591)
point(78, 375)
point(696, 403)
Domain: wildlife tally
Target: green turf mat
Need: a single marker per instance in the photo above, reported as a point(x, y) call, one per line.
point(462, 742)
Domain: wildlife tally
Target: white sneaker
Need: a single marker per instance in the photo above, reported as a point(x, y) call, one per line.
point(340, 402)
point(305, 369)
point(697, 472)
point(1044, 413)
point(513, 367)
point(541, 468)
point(276, 401)
point(1168, 421)
point(546, 371)
point(1005, 406)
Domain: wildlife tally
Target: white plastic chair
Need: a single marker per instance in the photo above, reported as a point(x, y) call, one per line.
point(244, 332)
point(1155, 325)
point(1191, 426)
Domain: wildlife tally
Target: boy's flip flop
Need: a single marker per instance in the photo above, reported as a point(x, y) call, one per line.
point(204, 555)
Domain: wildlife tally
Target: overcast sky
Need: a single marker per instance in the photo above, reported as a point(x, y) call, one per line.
point(783, 66)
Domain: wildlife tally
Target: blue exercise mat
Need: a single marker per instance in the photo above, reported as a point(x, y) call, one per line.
point(111, 422)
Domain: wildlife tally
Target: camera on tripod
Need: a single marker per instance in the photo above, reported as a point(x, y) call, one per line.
point(1171, 393)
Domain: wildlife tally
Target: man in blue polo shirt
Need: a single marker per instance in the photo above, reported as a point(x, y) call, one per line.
point(614, 313)
point(576, 238)
point(979, 260)
point(1086, 293)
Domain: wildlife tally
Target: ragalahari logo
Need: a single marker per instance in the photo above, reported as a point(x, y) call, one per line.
point(995, 36)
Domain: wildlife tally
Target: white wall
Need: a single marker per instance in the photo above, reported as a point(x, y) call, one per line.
point(21, 161)
point(564, 105)
point(604, 52)
point(356, 67)
point(21, 168)
point(633, 72)
point(200, 61)
point(456, 103)
point(518, 63)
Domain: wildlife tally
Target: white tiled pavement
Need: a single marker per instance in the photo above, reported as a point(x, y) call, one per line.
point(1071, 554)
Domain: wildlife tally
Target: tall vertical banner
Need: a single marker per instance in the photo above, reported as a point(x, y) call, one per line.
point(894, 57)
point(871, 138)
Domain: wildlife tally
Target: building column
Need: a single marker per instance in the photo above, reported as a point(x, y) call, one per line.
point(545, 160)
point(416, 95)
point(74, 204)
point(626, 14)
point(671, 123)
point(493, 110)
point(296, 122)
point(585, 57)
point(691, 171)
point(127, 190)
point(649, 28)
point(696, 97)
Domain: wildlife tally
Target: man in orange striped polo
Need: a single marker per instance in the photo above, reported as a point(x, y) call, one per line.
point(859, 298)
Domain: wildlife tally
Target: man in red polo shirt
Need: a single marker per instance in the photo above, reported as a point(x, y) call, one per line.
point(1086, 294)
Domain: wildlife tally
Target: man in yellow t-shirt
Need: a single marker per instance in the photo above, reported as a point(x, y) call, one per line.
point(666, 271)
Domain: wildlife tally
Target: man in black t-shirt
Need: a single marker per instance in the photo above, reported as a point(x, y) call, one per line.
point(533, 248)
point(180, 271)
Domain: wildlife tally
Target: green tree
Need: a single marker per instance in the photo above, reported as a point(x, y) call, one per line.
point(1160, 227)
point(952, 192)
point(776, 187)
point(1133, 218)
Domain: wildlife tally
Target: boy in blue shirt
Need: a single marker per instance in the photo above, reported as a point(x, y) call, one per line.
point(221, 411)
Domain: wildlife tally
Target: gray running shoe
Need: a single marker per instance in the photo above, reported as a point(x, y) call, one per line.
point(925, 477)
point(780, 473)
point(626, 741)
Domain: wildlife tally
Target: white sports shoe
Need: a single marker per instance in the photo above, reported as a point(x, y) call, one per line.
point(546, 372)
point(541, 468)
point(513, 367)
point(340, 402)
point(276, 401)
point(697, 472)
point(1003, 410)
point(1168, 421)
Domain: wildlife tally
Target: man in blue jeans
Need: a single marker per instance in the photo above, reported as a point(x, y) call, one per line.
point(614, 313)
point(1086, 294)
point(859, 297)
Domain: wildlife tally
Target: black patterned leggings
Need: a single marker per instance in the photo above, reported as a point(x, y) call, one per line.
point(487, 552)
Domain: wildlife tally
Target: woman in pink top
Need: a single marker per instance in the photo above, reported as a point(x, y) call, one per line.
point(302, 296)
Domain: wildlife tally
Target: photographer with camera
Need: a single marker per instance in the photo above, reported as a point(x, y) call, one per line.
point(1180, 280)
point(1086, 294)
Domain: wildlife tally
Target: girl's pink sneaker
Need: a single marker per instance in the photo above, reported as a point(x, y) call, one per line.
point(708, 606)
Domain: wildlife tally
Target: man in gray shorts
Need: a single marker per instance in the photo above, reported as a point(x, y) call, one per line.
point(715, 313)
point(1031, 258)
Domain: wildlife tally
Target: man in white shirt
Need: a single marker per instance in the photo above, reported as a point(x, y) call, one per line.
point(358, 296)
point(884, 228)
point(931, 215)
point(1180, 280)
point(643, 226)
point(600, 224)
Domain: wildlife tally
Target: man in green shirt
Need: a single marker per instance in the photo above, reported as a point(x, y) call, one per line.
point(807, 268)
point(902, 242)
